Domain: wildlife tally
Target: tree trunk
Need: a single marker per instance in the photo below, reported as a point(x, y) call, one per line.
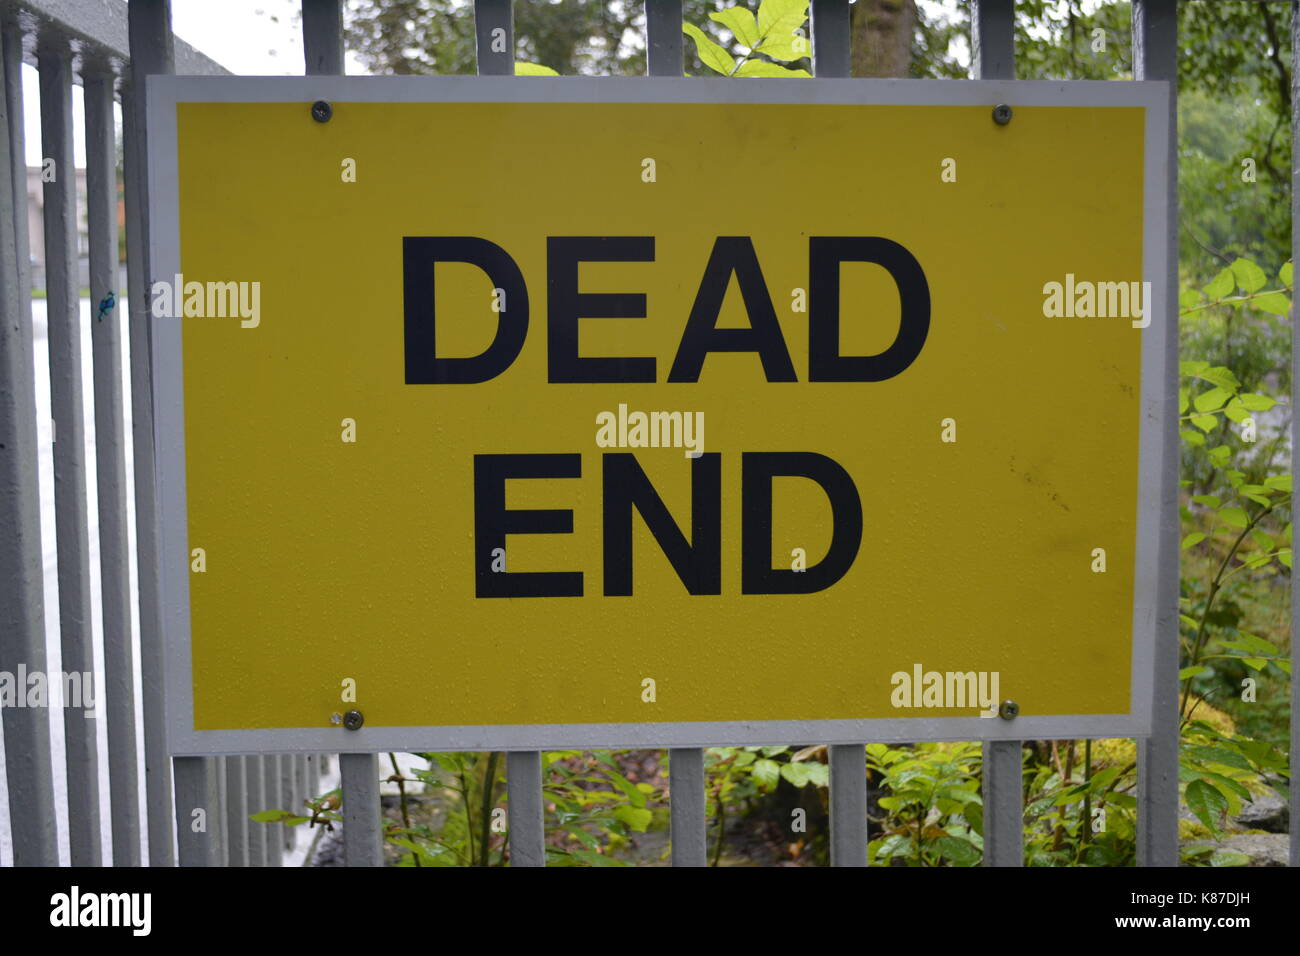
point(882, 37)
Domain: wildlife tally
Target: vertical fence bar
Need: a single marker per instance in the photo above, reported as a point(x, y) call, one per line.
point(494, 35)
point(1155, 57)
point(314, 764)
point(22, 595)
point(1002, 789)
point(663, 27)
point(848, 805)
point(527, 822)
point(1295, 424)
point(255, 802)
point(686, 807)
point(287, 800)
point(993, 39)
point(274, 831)
point(237, 822)
point(993, 58)
point(149, 29)
point(832, 38)
point(362, 845)
point(72, 535)
point(198, 818)
point(322, 37)
point(118, 695)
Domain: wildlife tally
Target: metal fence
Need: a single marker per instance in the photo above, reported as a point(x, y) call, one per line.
point(195, 809)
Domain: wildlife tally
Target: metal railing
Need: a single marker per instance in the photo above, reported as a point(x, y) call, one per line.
point(109, 47)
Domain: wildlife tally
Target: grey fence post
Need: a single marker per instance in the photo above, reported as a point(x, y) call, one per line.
point(663, 27)
point(993, 58)
point(272, 788)
point(198, 815)
point(237, 822)
point(831, 38)
point(494, 35)
point(848, 792)
point(1295, 425)
point(22, 595)
point(118, 694)
point(150, 34)
point(362, 842)
point(259, 834)
point(322, 37)
point(71, 518)
point(1155, 57)
point(686, 807)
point(526, 815)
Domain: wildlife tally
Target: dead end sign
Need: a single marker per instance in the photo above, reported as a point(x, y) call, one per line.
point(574, 412)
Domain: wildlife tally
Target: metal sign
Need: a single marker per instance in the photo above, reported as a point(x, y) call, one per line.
point(517, 413)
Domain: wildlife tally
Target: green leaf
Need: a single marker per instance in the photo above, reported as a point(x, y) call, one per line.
point(796, 773)
point(1182, 400)
point(1262, 539)
point(1279, 483)
point(1193, 539)
point(784, 16)
point(1257, 403)
point(1234, 517)
point(1189, 299)
point(1274, 302)
point(1284, 556)
point(1205, 423)
point(1209, 501)
point(711, 54)
point(1211, 399)
point(1198, 671)
point(740, 22)
point(1220, 376)
point(762, 68)
point(1191, 437)
point(533, 69)
point(786, 47)
point(1236, 411)
point(1284, 274)
point(1192, 367)
point(960, 851)
point(1220, 755)
point(1206, 802)
point(635, 817)
point(1250, 277)
point(1222, 285)
point(767, 773)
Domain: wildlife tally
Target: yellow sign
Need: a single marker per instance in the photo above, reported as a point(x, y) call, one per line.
point(524, 421)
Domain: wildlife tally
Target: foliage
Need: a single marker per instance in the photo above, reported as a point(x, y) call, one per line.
point(777, 35)
point(934, 814)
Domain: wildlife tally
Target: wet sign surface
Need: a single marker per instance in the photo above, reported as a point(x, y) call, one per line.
point(644, 413)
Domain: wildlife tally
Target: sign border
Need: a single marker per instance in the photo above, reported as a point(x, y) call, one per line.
point(1156, 407)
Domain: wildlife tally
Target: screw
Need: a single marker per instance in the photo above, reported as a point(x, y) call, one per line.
point(1001, 114)
point(353, 720)
point(336, 719)
point(322, 111)
point(1008, 710)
